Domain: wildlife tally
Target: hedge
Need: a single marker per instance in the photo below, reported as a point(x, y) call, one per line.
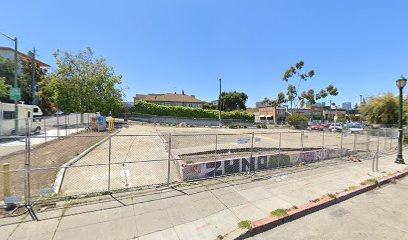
point(188, 112)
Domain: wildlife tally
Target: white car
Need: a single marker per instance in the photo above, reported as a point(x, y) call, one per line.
point(336, 127)
point(356, 128)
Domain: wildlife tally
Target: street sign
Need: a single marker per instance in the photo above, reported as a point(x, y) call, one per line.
point(15, 94)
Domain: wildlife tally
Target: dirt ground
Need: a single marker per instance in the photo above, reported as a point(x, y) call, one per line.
point(52, 154)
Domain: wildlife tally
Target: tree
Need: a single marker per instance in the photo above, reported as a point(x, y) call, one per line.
point(83, 83)
point(24, 78)
point(281, 99)
point(25, 81)
point(7, 74)
point(272, 103)
point(231, 101)
point(296, 72)
point(381, 110)
point(4, 87)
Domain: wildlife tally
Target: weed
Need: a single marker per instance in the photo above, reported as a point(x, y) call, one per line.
point(279, 213)
point(331, 195)
point(294, 207)
point(246, 224)
point(351, 188)
point(369, 182)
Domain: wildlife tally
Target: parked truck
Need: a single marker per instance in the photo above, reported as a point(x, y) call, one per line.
point(30, 112)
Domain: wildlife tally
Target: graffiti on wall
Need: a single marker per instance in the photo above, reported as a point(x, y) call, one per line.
point(248, 164)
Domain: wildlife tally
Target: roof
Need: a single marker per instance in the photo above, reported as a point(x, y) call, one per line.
point(169, 97)
point(26, 57)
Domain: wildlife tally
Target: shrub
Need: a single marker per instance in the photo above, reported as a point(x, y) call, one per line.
point(178, 111)
point(298, 121)
point(279, 213)
point(261, 126)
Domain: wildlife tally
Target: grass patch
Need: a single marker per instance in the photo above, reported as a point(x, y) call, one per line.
point(331, 195)
point(315, 200)
point(279, 213)
point(369, 182)
point(246, 224)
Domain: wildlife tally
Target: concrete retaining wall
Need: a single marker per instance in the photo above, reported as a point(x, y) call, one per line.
point(199, 170)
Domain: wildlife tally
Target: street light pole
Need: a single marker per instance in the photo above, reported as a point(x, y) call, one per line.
point(219, 104)
point(15, 81)
point(400, 84)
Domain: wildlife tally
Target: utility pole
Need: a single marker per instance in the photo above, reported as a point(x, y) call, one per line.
point(361, 99)
point(15, 81)
point(34, 100)
point(219, 104)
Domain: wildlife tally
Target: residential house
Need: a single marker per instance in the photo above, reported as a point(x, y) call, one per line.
point(8, 53)
point(170, 99)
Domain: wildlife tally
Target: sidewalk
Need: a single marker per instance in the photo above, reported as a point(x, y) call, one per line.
point(202, 210)
point(379, 214)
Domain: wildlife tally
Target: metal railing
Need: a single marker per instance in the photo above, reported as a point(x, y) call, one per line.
point(54, 166)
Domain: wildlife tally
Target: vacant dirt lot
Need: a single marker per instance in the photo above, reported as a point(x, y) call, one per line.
point(52, 154)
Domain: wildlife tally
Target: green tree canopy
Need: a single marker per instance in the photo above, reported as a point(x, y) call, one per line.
point(83, 83)
point(296, 72)
point(4, 87)
point(381, 110)
point(7, 74)
point(231, 101)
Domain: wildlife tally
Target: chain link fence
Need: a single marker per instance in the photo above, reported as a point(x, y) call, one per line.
point(69, 162)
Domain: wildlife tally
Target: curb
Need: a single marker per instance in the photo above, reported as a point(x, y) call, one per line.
point(61, 173)
point(311, 207)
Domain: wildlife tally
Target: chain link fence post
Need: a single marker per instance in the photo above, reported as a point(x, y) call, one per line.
point(385, 139)
point(45, 130)
point(58, 126)
point(215, 155)
point(301, 139)
point(323, 139)
point(66, 126)
point(109, 163)
point(391, 140)
point(27, 164)
point(168, 161)
point(76, 116)
point(252, 150)
point(280, 145)
point(341, 144)
point(378, 151)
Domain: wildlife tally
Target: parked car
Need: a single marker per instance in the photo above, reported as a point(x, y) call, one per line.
point(317, 127)
point(326, 125)
point(336, 127)
point(356, 128)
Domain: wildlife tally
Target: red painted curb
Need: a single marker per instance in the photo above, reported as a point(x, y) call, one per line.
point(308, 208)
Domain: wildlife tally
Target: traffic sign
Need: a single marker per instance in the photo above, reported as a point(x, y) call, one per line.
point(15, 94)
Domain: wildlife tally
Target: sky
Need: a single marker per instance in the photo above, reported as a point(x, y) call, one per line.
point(173, 45)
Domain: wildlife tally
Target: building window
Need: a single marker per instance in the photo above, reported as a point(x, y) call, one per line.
point(8, 115)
